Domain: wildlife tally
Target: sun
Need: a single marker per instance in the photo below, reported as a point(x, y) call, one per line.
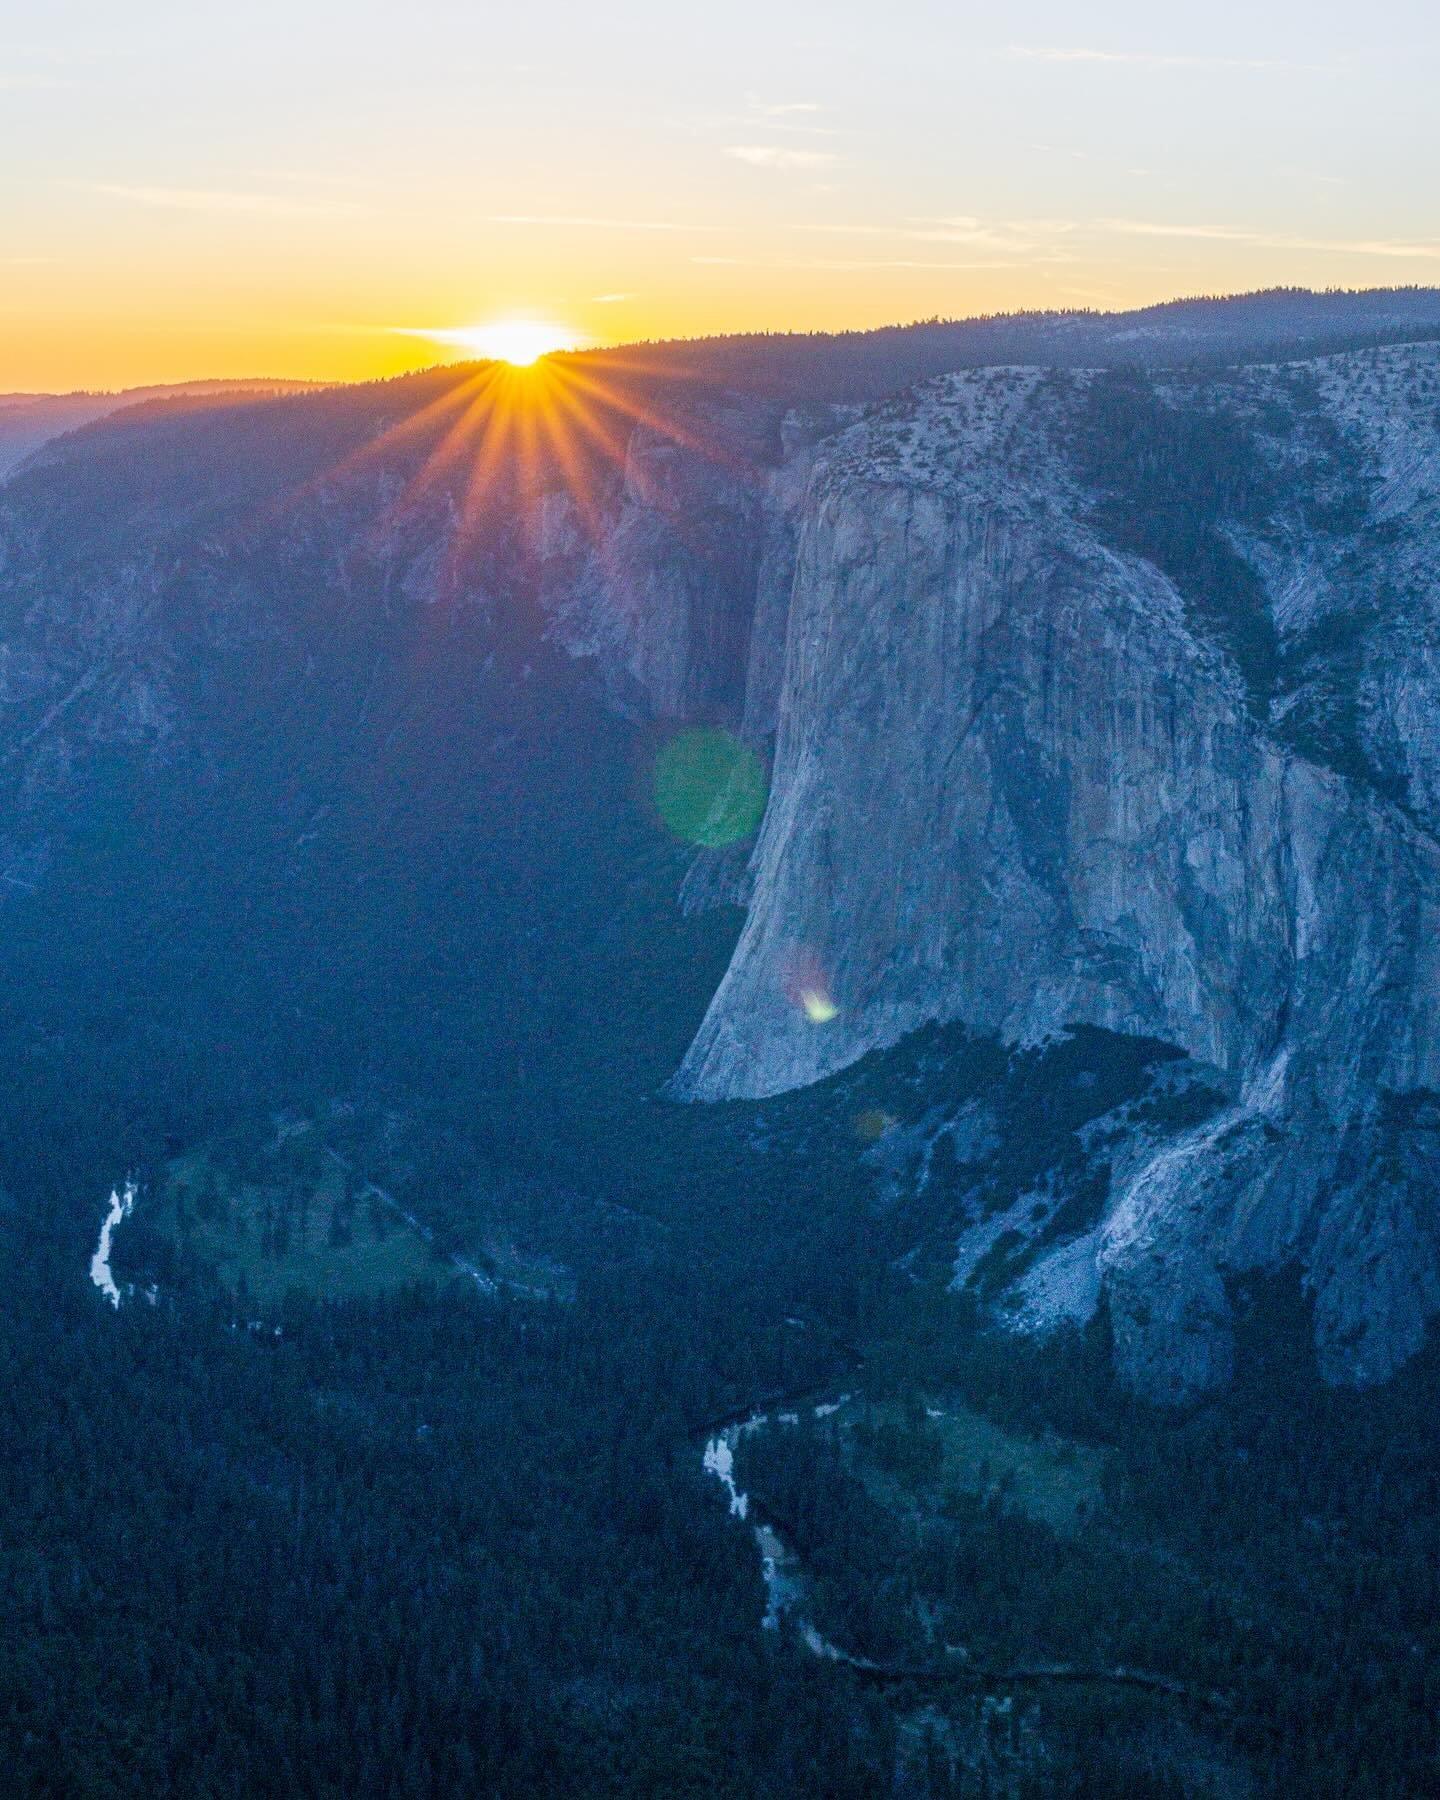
point(513, 421)
point(519, 342)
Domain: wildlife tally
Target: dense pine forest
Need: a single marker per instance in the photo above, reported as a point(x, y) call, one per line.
point(437, 1541)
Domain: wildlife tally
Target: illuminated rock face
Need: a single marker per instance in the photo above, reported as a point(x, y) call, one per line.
point(1017, 785)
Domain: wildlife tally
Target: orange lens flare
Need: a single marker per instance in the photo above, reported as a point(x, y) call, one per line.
point(490, 443)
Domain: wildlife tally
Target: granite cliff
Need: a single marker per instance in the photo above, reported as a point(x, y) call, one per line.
point(1022, 779)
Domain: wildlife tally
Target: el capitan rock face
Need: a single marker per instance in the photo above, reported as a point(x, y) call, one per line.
point(1095, 698)
point(1019, 784)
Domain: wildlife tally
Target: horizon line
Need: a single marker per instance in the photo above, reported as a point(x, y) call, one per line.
point(939, 320)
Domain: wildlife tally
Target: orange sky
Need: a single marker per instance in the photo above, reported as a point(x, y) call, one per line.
point(299, 189)
point(54, 337)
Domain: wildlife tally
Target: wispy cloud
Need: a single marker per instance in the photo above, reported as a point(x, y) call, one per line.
point(782, 109)
point(1032, 241)
point(609, 299)
point(1265, 240)
point(585, 223)
point(1155, 59)
point(887, 262)
point(226, 201)
point(846, 264)
point(307, 177)
point(1073, 154)
point(1018, 238)
point(488, 340)
point(932, 231)
point(780, 156)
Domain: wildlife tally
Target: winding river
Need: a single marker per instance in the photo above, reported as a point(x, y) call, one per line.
point(122, 1204)
point(780, 1566)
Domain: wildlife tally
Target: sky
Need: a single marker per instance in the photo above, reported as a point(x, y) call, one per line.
point(338, 191)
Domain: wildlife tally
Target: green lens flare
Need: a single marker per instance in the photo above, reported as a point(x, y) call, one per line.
point(710, 788)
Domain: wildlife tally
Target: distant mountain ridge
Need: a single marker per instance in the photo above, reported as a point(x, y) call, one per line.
point(29, 421)
point(865, 365)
